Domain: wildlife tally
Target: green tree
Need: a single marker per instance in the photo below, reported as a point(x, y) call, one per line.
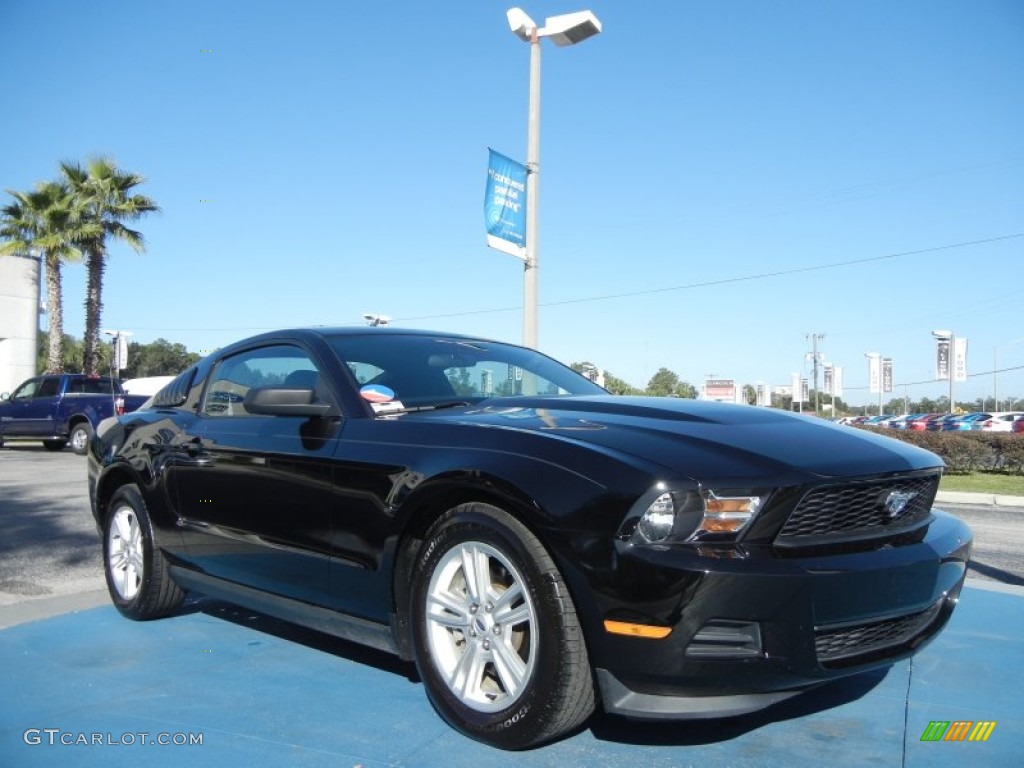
point(103, 192)
point(618, 386)
point(461, 385)
point(686, 390)
point(612, 383)
point(72, 357)
point(158, 358)
point(46, 219)
point(663, 383)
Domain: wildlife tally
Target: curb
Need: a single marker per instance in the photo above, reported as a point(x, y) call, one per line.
point(988, 499)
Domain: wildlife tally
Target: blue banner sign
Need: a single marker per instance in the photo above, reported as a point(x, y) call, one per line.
point(505, 204)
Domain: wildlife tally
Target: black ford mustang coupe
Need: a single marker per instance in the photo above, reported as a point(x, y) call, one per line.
point(533, 543)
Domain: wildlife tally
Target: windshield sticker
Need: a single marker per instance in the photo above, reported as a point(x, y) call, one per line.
point(377, 393)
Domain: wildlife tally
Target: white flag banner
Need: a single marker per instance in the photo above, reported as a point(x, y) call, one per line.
point(874, 374)
point(959, 359)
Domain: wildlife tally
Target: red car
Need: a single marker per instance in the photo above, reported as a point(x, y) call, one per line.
point(1018, 425)
point(920, 424)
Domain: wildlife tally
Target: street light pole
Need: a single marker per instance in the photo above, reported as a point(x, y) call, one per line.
point(532, 198)
point(995, 371)
point(565, 29)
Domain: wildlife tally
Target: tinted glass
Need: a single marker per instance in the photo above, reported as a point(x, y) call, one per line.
point(276, 366)
point(100, 386)
point(26, 390)
point(49, 387)
point(426, 370)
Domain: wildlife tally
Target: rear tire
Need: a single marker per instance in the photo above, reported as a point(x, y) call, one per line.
point(497, 640)
point(138, 577)
point(54, 445)
point(80, 436)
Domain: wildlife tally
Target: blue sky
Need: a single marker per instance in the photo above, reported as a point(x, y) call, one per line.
point(318, 160)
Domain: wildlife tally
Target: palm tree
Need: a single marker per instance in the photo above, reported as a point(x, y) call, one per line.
point(46, 219)
point(103, 191)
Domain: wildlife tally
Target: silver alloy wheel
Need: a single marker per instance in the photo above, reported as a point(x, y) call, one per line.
point(481, 627)
point(124, 552)
point(79, 439)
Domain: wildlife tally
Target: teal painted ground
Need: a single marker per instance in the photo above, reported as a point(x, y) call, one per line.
point(266, 694)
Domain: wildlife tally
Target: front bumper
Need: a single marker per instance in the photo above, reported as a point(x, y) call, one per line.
point(751, 628)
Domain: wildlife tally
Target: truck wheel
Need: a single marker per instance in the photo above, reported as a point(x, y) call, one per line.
point(79, 437)
point(54, 445)
point(138, 577)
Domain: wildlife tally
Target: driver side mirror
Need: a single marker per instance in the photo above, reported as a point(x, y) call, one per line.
point(280, 401)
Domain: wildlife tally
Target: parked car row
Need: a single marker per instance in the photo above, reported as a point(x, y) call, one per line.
point(1000, 421)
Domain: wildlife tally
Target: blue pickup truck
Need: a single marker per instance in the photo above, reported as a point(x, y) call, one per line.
point(62, 408)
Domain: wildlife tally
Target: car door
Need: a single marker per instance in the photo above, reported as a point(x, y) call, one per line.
point(254, 491)
point(30, 409)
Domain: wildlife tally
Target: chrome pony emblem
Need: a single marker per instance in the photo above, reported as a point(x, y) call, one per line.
point(896, 502)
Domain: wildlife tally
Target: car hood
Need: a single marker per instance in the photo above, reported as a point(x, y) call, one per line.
point(702, 440)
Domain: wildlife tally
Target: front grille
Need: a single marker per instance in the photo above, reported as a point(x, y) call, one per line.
point(859, 510)
point(835, 645)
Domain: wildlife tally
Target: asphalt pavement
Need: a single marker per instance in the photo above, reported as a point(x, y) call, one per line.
point(83, 686)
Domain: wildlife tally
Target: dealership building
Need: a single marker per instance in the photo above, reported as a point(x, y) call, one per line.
point(19, 318)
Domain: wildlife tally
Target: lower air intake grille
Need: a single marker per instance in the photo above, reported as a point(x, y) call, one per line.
point(834, 645)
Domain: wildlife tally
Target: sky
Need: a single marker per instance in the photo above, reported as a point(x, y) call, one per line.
point(718, 179)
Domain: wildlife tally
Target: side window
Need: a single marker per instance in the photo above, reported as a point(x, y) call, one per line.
point(98, 386)
point(48, 387)
point(280, 365)
point(26, 390)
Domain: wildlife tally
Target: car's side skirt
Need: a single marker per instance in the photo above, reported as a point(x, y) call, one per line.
point(353, 628)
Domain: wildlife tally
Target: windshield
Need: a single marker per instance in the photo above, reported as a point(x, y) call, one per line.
point(432, 370)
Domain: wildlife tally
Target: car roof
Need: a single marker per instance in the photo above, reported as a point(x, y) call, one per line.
point(324, 332)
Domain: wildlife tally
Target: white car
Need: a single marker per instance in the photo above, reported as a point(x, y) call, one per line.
point(1000, 422)
point(148, 385)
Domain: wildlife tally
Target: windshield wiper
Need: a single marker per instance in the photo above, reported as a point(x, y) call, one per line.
point(435, 407)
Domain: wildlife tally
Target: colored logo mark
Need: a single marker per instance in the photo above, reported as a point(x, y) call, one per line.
point(958, 730)
point(377, 393)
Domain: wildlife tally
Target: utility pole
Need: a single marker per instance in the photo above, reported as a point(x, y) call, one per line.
point(815, 359)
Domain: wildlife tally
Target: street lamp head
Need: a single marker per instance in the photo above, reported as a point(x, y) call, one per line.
point(522, 26)
point(571, 28)
point(566, 29)
point(942, 334)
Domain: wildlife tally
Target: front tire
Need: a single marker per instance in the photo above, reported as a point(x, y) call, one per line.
point(80, 436)
point(497, 640)
point(138, 577)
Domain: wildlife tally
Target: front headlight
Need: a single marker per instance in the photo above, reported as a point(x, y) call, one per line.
point(700, 514)
point(659, 519)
